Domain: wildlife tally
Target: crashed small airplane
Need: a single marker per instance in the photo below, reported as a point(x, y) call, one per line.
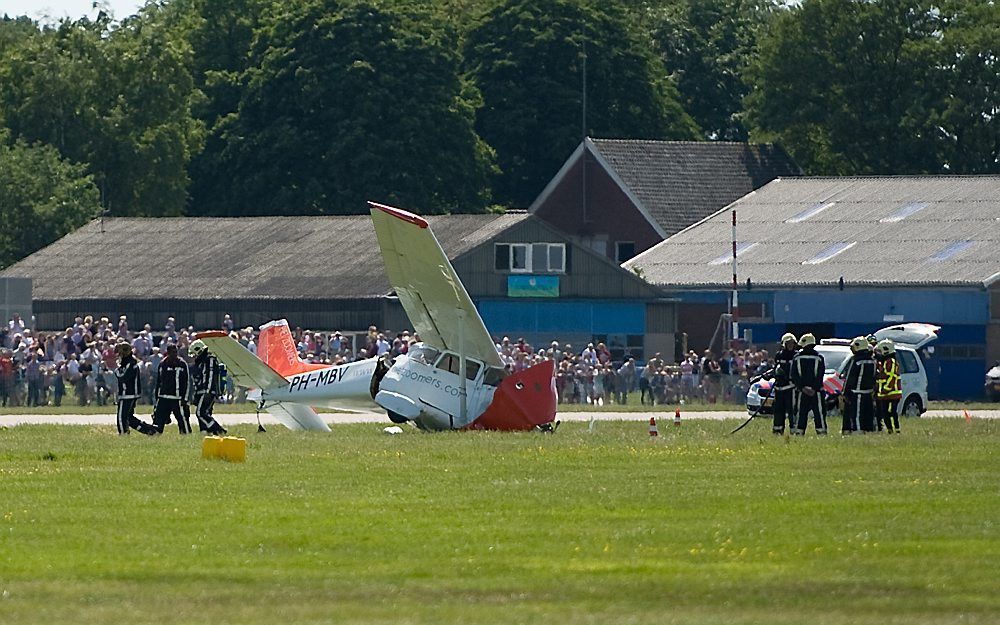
point(422, 386)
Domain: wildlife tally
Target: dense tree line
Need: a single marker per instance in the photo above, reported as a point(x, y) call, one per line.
point(236, 107)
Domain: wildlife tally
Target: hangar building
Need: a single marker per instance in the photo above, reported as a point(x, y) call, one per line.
point(326, 273)
point(846, 256)
point(639, 192)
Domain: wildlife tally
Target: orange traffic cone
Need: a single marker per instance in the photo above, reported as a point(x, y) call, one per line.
point(968, 417)
point(653, 431)
point(677, 416)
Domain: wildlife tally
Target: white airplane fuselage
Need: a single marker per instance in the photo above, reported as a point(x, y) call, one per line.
point(431, 396)
point(337, 386)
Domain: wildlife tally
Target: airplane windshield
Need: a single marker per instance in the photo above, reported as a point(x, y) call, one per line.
point(423, 353)
point(450, 362)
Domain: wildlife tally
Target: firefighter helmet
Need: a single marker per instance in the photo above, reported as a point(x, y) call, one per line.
point(196, 348)
point(886, 347)
point(859, 343)
point(807, 340)
point(872, 340)
point(788, 336)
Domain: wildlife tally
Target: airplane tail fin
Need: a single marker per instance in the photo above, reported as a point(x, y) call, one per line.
point(247, 370)
point(276, 347)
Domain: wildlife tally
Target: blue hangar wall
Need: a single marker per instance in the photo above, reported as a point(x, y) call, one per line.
point(955, 368)
point(542, 321)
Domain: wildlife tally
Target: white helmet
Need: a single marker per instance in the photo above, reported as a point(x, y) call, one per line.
point(807, 339)
point(788, 336)
point(859, 343)
point(886, 347)
point(196, 348)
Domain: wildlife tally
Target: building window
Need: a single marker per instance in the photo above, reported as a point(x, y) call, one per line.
point(810, 212)
point(519, 259)
point(531, 257)
point(624, 250)
point(952, 249)
point(829, 252)
point(741, 247)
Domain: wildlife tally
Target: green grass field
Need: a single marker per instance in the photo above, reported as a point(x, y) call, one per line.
point(602, 526)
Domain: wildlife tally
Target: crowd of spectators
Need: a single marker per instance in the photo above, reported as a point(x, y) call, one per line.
point(77, 364)
point(43, 368)
point(592, 376)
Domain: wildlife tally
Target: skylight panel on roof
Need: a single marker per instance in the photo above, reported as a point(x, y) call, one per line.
point(829, 252)
point(903, 213)
point(951, 250)
point(741, 247)
point(812, 211)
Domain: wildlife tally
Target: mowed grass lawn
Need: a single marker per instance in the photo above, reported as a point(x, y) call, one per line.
point(583, 526)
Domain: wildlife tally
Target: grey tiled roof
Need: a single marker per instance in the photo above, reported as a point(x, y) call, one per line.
point(681, 182)
point(259, 257)
point(945, 213)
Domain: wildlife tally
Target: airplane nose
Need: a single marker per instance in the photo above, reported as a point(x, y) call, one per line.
point(523, 401)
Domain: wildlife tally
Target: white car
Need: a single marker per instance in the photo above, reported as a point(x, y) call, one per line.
point(908, 337)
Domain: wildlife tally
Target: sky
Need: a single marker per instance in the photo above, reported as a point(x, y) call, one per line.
point(57, 9)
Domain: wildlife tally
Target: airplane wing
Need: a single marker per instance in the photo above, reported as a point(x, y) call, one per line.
point(297, 416)
point(428, 287)
point(247, 370)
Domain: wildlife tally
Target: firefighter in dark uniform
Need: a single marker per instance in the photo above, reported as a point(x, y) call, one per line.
point(170, 393)
point(207, 379)
point(129, 391)
point(783, 389)
point(808, 369)
point(888, 386)
point(859, 388)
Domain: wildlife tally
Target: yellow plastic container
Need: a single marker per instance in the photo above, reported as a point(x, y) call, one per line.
point(234, 449)
point(211, 447)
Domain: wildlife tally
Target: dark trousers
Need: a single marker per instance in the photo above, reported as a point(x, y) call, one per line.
point(162, 411)
point(887, 413)
point(203, 410)
point(810, 404)
point(127, 418)
point(859, 412)
point(645, 390)
point(784, 409)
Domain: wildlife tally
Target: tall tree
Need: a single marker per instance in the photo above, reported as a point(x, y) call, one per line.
point(846, 86)
point(114, 96)
point(706, 45)
point(967, 83)
point(347, 102)
point(42, 197)
point(526, 57)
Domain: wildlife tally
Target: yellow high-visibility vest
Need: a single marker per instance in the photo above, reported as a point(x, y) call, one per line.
point(890, 385)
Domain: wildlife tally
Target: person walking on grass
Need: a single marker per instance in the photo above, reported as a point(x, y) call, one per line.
point(129, 391)
point(808, 368)
point(170, 393)
point(207, 386)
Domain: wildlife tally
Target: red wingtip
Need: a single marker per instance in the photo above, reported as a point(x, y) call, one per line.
point(211, 334)
point(400, 214)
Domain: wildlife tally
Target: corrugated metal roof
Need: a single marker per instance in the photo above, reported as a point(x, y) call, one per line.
point(882, 239)
point(260, 257)
point(681, 182)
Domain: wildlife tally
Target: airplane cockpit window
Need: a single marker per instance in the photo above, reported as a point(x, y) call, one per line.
point(494, 376)
point(424, 354)
point(450, 362)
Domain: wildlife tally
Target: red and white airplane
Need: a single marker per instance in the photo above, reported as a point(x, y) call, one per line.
point(422, 386)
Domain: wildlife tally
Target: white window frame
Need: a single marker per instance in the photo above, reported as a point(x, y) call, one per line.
point(525, 247)
point(561, 247)
point(528, 250)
